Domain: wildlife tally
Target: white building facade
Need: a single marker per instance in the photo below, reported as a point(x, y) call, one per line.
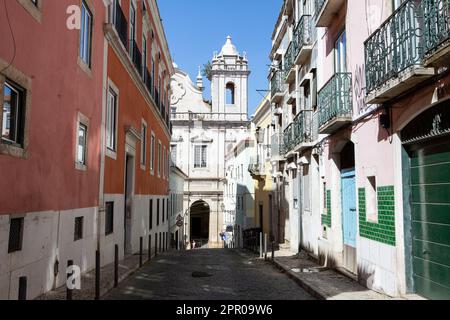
point(203, 133)
point(239, 192)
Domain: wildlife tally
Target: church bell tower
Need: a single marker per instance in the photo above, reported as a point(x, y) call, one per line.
point(229, 83)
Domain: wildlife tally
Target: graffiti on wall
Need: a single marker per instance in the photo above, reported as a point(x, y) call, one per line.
point(359, 88)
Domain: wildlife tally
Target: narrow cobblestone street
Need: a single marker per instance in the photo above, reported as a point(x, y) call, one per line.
point(208, 275)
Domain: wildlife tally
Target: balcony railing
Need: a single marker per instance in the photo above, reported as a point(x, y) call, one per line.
point(302, 127)
point(276, 83)
point(303, 34)
point(289, 58)
point(288, 139)
point(335, 99)
point(149, 82)
point(395, 46)
point(298, 132)
point(121, 24)
point(436, 15)
point(256, 166)
point(156, 97)
point(136, 56)
point(411, 35)
point(318, 5)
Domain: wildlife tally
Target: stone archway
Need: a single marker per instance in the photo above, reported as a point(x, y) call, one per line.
point(199, 223)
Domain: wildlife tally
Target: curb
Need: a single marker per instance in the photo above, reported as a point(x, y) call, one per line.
point(308, 288)
point(110, 284)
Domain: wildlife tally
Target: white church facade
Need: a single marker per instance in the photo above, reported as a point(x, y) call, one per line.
point(203, 133)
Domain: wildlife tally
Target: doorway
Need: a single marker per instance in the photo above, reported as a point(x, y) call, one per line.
point(129, 174)
point(199, 223)
point(349, 212)
point(426, 158)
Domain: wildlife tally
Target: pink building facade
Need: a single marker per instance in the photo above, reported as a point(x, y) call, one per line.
point(367, 88)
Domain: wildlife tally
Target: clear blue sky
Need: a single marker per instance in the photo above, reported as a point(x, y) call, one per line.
point(197, 28)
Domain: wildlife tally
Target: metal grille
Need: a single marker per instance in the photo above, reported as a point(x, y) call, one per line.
point(109, 217)
point(78, 232)
point(436, 26)
point(276, 84)
point(335, 98)
point(417, 28)
point(121, 24)
point(15, 235)
point(303, 33)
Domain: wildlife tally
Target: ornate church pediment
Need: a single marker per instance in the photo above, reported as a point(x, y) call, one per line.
point(178, 92)
point(202, 138)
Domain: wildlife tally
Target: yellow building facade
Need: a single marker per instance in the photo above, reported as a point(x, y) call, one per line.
point(261, 170)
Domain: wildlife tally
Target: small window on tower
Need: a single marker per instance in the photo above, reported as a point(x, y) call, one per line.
point(230, 93)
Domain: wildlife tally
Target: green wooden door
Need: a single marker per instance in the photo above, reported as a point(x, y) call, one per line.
point(430, 213)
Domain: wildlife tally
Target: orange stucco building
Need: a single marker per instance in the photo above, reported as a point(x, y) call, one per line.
point(85, 136)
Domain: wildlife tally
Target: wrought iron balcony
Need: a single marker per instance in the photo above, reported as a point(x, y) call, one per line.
point(277, 147)
point(288, 139)
point(156, 97)
point(335, 103)
point(302, 128)
point(303, 39)
point(297, 136)
point(277, 86)
point(394, 52)
point(288, 65)
point(436, 32)
point(120, 24)
point(136, 56)
point(326, 11)
point(256, 167)
point(149, 82)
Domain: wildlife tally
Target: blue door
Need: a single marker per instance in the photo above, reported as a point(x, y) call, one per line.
point(348, 191)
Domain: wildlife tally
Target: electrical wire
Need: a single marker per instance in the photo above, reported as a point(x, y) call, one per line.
point(13, 38)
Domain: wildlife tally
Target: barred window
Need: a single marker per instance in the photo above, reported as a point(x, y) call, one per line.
point(15, 235)
point(78, 232)
point(109, 218)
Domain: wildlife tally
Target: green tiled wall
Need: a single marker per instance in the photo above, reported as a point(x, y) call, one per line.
point(326, 219)
point(384, 230)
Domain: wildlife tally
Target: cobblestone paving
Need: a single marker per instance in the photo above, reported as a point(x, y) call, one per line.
point(208, 275)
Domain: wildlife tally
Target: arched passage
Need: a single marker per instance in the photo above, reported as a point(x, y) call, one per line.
point(199, 222)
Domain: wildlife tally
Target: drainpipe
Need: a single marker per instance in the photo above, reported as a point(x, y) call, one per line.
point(300, 208)
point(101, 207)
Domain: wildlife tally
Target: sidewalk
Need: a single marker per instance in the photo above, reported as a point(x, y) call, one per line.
point(87, 292)
point(324, 283)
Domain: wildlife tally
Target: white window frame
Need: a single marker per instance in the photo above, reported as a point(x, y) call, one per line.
point(152, 153)
point(203, 156)
point(112, 89)
point(84, 121)
point(144, 134)
point(159, 158)
point(85, 45)
point(164, 163)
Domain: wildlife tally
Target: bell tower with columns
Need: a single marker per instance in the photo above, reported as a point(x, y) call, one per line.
point(229, 83)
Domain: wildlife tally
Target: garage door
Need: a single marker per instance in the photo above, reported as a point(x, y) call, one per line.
point(430, 205)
